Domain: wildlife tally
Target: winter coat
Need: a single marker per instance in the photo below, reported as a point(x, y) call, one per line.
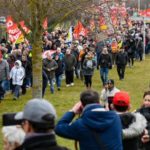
point(88, 66)
point(17, 74)
point(28, 68)
point(60, 68)
point(49, 67)
point(104, 60)
point(70, 62)
point(75, 52)
point(121, 59)
point(145, 111)
point(41, 142)
point(94, 118)
point(133, 125)
point(4, 70)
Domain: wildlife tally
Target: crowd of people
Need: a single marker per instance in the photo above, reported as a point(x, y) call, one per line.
point(77, 58)
point(105, 121)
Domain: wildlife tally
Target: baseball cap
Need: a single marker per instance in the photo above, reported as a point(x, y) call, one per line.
point(121, 98)
point(110, 81)
point(37, 110)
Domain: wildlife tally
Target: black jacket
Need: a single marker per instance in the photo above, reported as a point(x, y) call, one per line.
point(104, 60)
point(133, 125)
point(41, 142)
point(121, 59)
point(60, 68)
point(146, 113)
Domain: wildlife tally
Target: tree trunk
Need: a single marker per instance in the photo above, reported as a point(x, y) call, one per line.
point(37, 67)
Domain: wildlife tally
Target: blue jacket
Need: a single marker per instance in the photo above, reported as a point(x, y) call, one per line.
point(105, 123)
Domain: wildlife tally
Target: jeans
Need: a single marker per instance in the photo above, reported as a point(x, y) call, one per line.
point(104, 74)
point(58, 80)
point(2, 89)
point(51, 81)
point(6, 85)
point(28, 81)
point(16, 90)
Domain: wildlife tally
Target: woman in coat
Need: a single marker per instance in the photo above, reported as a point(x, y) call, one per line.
point(88, 69)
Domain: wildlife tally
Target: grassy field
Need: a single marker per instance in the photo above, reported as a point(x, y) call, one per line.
point(137, 80)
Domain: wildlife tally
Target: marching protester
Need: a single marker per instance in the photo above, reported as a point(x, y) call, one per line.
point(82, 55)
point(129, 46)
point(59, 71)
point(88, 69)
point(70, 62)
point(121, 62)
point(95, 129)
point(4, 75)
point(27, 65)
point(75, 52)
point(49, 66)
point(17, 75)
point(105, 63)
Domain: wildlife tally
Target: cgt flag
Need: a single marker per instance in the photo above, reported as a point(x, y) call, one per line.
point(14, 33)
point(79, 30)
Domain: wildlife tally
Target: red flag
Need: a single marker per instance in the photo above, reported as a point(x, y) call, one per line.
point(45, 24)
point(79, 30)
point(145, 12)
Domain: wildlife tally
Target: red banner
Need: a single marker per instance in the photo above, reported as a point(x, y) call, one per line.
point(145, 13)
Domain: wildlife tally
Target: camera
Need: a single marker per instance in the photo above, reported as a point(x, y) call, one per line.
point(8, 119)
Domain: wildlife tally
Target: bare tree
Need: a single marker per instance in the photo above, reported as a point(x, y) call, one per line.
point(33, 12)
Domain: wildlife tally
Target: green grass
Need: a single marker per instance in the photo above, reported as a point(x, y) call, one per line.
point(137, 80)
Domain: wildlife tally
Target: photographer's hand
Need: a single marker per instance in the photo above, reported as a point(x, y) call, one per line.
point(77, 108)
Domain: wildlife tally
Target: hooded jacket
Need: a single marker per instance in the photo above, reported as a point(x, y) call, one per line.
point(94, 118)
point(133, 125)
point(17, 74)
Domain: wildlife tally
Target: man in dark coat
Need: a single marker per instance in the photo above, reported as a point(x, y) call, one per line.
point(70, 62)
point(121, 62)
point(49, 66)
